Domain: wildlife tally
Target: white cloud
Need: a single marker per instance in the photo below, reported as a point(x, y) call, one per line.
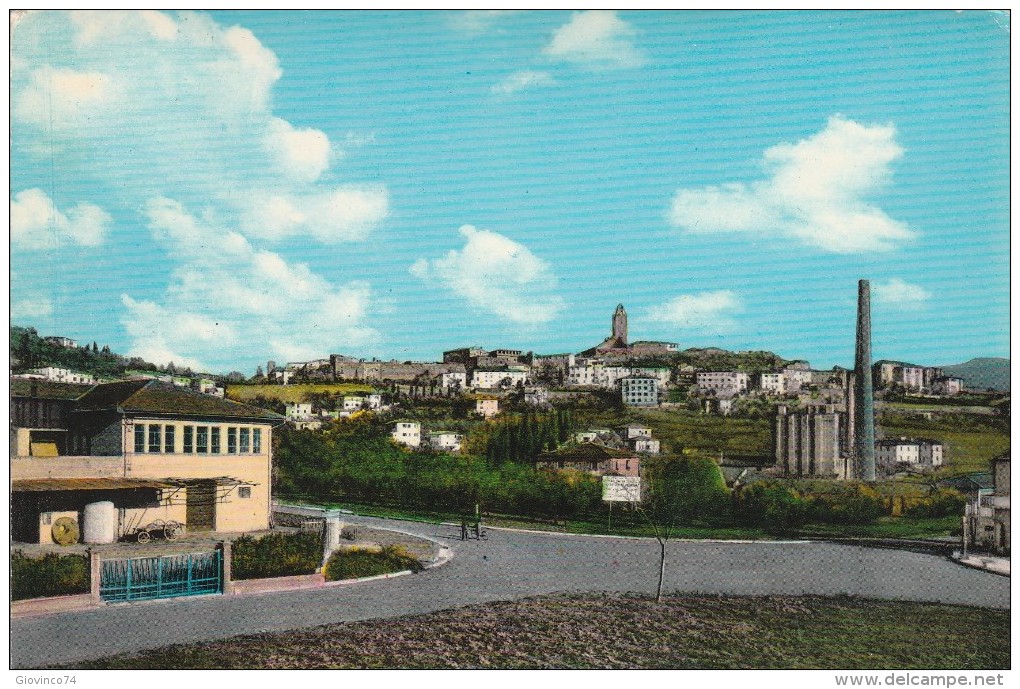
point(478, 21)
point(227, 298)
point(518, 81)
point(703, 311)
point(816, 193)
point(300, 153)
point(31, 308)
point(598, 38)
point(341, 215)
point(36, 223)
point(193, 100)
point(897, 292)
point(498, 275)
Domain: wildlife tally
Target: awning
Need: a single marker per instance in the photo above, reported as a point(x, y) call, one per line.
point(55, 484)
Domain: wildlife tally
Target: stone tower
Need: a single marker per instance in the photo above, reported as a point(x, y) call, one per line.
point(864, 399)
point(620, 326)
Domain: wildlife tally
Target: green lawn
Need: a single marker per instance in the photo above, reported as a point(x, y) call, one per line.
point(624, 524)
point(596, 631)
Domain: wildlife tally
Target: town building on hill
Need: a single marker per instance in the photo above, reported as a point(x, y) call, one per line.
point(639, 391)
point(487, 405)
point(406, 433)
point(591, 458)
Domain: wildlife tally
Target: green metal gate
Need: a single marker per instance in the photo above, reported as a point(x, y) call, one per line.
point(165, 576)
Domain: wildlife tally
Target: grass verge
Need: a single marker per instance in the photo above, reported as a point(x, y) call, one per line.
point(596, 631)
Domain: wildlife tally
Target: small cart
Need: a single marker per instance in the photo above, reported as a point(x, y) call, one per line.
point(170, 530)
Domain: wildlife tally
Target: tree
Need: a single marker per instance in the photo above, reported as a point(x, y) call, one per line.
point(678, 492)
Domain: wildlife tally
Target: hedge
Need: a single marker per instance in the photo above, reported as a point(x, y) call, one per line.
point(276, 555)
point(359, 562)
point(50, 575)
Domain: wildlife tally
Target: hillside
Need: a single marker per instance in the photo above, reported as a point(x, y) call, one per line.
point(982, 373)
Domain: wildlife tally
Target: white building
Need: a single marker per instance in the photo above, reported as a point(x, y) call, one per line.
point(773, 383)
point(374, 400)
point(913, 377)
point(635, 430)
point(63, 375)
point(453, 379)
point(640, 391)
point(660, 373)
point(487, 406)
point(947, 385)
point(353, 403)
point(491, 379)
point(446, 440)
point(894, 453)
point(299, 410)
point(407, 433)
point(646, 445)
point(722, 382)
point(538, 397)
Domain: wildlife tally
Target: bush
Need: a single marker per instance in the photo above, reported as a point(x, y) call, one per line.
point(276, 555)
point(773, 507)
point(359, 562)
point(50, 575)
point(941, 503)
point(856, 505)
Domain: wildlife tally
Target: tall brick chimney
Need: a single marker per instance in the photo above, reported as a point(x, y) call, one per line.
point(864, 398)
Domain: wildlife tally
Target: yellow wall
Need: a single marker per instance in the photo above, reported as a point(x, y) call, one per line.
point(233, 513)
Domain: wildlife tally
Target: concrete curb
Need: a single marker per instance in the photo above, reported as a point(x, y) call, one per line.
point(564, 534)
point(982, 564)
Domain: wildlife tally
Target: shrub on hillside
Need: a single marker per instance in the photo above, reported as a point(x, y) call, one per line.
point(362, 562)
point(276, 555)
point(50, 575)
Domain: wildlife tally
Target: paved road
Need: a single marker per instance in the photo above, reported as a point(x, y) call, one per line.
point(511, 565)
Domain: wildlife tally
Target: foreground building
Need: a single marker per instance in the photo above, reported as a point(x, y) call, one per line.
point(987, 517)
point(133, 452)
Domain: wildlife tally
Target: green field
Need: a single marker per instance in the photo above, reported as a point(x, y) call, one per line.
point(596, 631)
point(299, 392)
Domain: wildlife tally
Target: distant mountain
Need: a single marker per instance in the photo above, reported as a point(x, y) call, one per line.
point(983, 373)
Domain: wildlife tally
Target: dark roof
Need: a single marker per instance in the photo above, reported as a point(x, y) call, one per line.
point(52, 484)
point(45, 389)
point(981, 480)
point(151, 397)
point(106, 395)
point(591, 452)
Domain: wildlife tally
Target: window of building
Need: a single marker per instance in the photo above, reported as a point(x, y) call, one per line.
point(139, 437)
point(189, 439)
point(256, 440)
point(232, 441)
point(215, 440)
point(155, 433)
point(168, 438)
point(245, 437)
point(244, 492)
point(202, 440)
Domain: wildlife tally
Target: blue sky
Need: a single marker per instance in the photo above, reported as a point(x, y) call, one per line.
point(219, 189)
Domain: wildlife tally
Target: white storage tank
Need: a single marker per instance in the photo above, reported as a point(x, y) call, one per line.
point(100, 522)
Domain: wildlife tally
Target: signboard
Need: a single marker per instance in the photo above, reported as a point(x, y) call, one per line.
point(621, 488)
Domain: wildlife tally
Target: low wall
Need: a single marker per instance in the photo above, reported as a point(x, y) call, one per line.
point(44, 606)
point(301, 581)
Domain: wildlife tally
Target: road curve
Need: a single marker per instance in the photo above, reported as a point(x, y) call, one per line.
point(510, 565)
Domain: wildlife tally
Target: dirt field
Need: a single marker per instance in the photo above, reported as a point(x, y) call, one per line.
point(604, 631)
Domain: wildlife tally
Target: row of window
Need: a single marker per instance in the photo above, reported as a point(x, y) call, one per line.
point(162, 438)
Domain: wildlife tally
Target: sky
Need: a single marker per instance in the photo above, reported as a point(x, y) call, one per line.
point(221, 189)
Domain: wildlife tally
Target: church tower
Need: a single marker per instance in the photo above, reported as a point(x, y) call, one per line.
point(620, 326)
